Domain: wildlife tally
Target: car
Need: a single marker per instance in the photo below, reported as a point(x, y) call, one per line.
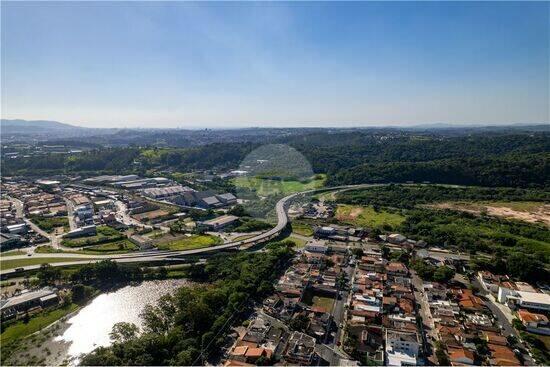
point(29, 254)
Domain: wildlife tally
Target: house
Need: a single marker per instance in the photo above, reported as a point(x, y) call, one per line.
point(502, 356)
point(300, 350)
point(461, 357)
point(534, 322)
point(316, 247)
point(397, 268)
point(396, 238)
point(491, 282)
point(219, 223)
point(324, 231)
point(143, 242)
point(402, 348)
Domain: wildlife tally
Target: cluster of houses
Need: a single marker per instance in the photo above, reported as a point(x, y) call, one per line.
point(353, 234)
point(339, 233)
point(297, 319)
point(268, 341)
point(530, 305)
point(318, 210)
point(36, 201)
point(465, 328)
point(381, 323)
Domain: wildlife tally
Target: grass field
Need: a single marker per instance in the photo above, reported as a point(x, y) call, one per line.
point(118, 247)
point(298, 241)
point(266, 187)
point(302, 229)
point(366, 216)
point(104, 235)
point(323, 302)
point(17, 263)
point(190, 243)
point(13, 253)
point(20, 330)
point(49, 224)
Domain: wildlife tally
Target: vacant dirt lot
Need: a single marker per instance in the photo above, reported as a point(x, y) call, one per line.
point(526, 211)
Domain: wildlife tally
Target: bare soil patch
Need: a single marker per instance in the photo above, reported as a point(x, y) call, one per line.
point(524, 211)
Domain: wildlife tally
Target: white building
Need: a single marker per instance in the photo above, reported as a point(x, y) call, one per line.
point(317, 247)
point(401, 348)
point(530, 300)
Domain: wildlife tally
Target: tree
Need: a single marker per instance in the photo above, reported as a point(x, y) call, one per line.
point(299, 323)
point(357, 252)
point(48, 275)
point(81, 293)
point(123, 332)
point(443, 274)
point(385, 252)
point(442, 358)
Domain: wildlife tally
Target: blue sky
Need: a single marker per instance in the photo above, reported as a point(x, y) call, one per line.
point(184, 64)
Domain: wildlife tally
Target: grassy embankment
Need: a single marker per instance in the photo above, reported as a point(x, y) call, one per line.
point(190, 243)
point(20, 329)
point(366, 216)
point(301, 228)
point(265, 187)
point(112, 248)
point(17, 263)
point(13, 253)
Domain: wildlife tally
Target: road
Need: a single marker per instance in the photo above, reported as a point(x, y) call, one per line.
point(429, 334)
point(503, 320)
point(70, 214)
point(282, 221)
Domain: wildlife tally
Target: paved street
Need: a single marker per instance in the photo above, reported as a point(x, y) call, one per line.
point(428, 331)
point(503, 319)
point(70, 214)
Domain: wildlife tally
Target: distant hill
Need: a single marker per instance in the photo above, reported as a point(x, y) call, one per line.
point(35, 127)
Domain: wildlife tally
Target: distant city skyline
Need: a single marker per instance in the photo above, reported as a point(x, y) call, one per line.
point(276, 64)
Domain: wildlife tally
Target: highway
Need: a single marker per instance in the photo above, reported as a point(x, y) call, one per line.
point(156, 255)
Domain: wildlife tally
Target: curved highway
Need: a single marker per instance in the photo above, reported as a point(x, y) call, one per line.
point(156, 255)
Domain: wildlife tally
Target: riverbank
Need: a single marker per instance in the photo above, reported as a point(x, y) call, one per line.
point(79, 332)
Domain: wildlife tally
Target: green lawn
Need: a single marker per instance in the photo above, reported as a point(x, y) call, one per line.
point(118, 247)
point(366, 216)
point(104, 234)
point(266, 187)
point(298, 241)
point(190, 243)
point(17, 263)
point(302, 229)
point(13, 253)
point(49, 224)
point(20, 330)
point(324, 302)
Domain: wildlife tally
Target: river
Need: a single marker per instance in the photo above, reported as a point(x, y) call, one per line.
point(90, 327)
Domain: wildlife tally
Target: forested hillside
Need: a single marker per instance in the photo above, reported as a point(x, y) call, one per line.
point(516, 160)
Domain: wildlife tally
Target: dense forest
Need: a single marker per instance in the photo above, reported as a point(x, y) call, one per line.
point(409, 196)
point(517, 160)
point(196, 318)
